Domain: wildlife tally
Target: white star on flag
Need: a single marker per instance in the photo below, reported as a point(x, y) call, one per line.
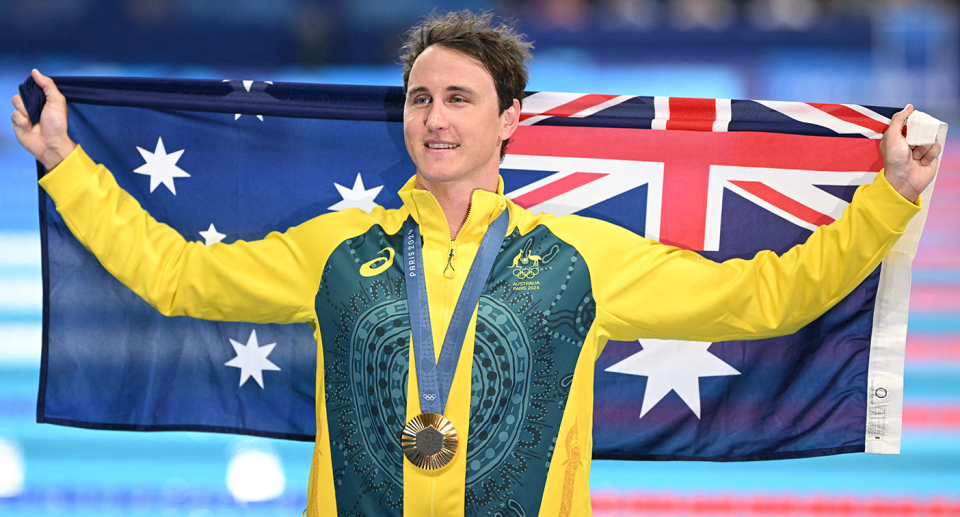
point(161, 167)
point(673, 366)
point(357, 197)
point(246, 85)
point(252, 359)
point(211, 235)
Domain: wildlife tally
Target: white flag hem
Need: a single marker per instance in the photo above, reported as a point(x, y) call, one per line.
point(888, 343)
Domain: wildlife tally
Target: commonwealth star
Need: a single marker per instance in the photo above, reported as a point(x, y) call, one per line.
point(673, 366)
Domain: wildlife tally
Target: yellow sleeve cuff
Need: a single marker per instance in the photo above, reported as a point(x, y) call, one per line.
point(64, 179)
point(887, 205)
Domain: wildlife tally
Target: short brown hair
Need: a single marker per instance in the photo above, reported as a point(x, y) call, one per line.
point(501, 50)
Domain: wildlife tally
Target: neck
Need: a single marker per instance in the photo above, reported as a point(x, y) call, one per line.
point(454, 197)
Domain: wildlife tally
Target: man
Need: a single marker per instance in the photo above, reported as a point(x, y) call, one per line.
point(503, 428)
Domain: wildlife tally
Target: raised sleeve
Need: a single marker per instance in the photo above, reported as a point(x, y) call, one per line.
point(272, 280)
point(647, 289)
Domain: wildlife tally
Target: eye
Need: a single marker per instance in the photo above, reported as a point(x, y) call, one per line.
point(422, 99)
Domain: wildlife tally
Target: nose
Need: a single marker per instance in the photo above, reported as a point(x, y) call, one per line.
point(436, 117)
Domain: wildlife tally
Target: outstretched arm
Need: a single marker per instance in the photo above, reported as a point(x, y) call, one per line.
point(265, 281)
point(645, 289)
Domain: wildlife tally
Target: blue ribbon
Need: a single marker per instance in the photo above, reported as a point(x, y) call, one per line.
point(434, 378)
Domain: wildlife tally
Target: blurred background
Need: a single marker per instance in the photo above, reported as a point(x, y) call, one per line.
point(872, 52)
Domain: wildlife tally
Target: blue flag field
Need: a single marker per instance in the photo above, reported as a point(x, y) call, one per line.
point(236, 160)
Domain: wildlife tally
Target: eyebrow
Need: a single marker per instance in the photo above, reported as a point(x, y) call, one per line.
point(423, 89)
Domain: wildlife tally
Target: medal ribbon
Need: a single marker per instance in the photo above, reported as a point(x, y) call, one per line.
point(434, 378)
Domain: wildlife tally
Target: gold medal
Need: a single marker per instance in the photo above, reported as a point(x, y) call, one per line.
point(429, 441)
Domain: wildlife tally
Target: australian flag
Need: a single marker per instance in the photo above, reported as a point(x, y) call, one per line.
point(235, 160)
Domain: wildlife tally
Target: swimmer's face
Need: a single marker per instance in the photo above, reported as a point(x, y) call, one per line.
point(452, 125)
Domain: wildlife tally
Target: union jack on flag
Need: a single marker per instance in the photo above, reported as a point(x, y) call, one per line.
point(687, 176)
point(725, 178)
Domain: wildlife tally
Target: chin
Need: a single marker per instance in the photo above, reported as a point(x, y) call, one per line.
point(445, 172)
point(441, 174)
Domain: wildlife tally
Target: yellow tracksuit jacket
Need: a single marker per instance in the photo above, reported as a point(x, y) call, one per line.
point(522, 397)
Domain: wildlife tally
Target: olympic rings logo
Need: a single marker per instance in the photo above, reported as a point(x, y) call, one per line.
point(524, 273)
point(430, 396)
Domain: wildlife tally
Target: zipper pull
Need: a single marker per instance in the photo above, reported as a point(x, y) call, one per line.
point(449, 272)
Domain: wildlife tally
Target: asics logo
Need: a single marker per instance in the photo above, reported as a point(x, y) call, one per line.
point(377, 265)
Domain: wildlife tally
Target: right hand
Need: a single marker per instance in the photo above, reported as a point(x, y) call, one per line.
point(48, 140)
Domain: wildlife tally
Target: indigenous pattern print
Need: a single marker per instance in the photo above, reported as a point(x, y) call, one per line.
point(365, 326)
point(533, 315)
point(540, 286)
point(574, 453)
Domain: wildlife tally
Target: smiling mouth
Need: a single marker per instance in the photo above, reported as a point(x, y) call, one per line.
point(442, 146)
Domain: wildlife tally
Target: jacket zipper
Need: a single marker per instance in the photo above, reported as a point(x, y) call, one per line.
point(449, 272)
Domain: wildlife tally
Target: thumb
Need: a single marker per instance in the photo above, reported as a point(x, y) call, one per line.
point(899, 120)
point(47, 85)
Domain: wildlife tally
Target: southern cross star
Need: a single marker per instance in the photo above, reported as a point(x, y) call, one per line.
point(161, 167)
point(211, 235)
point(673, 365)
point(247, 90)
point(252, 359)
point(357, 197)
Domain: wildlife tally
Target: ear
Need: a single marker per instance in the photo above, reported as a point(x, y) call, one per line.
point(510, 118)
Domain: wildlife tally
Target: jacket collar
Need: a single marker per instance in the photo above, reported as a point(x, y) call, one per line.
point(485, 207)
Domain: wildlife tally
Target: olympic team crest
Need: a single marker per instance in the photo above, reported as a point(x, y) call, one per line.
point(525, 268)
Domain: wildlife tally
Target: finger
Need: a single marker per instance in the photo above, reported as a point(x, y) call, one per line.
point(20, 121)
point(18, 103)
point(931, 154)
point(48, 86)
point(920, 150)
point(899, 119)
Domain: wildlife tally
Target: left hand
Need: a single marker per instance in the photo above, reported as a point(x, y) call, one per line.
point(908, 169)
